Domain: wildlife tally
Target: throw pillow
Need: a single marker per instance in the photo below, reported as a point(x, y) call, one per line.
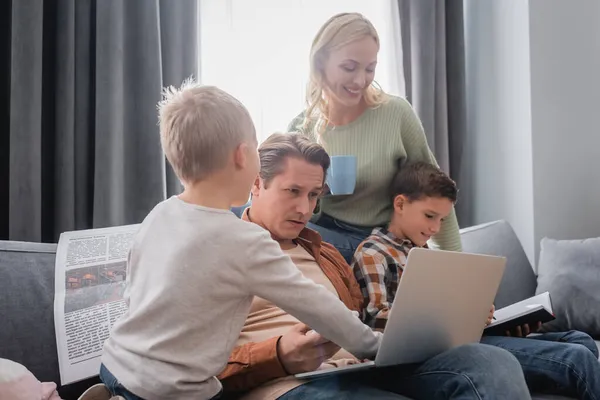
point(17, 383)
point(570, 271)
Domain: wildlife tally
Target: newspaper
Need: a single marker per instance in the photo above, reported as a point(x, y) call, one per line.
point(90, 281)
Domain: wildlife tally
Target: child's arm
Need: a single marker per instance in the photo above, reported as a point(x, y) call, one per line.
point(272, 275)
point(253, 364)
point(375, 277)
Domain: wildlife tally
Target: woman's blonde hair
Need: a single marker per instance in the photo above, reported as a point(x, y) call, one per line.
point(339, 31)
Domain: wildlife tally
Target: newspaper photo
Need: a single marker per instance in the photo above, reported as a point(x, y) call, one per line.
point(90, 280)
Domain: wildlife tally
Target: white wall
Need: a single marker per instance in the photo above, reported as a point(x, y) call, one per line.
point(498, 115)
point(533, 98)
point(565, 83)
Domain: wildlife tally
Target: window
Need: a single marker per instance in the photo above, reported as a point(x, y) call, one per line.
point(257, 50)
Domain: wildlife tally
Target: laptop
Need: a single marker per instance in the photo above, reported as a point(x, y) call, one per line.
point(442, 301)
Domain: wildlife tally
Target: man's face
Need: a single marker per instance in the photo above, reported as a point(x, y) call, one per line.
point(286, 204)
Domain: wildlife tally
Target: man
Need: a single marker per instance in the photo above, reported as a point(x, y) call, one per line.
point(273, 345)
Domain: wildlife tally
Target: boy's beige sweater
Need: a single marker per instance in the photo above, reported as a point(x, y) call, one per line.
point(192, 274)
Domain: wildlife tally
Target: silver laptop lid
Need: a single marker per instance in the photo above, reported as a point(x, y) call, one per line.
point(443, 300)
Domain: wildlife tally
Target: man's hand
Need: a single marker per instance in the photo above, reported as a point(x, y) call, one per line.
point(490, 316)
point(303, 350)
point(524, 330)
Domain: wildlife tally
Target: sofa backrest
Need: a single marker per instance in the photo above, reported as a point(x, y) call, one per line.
point(27, 312)
point(27, 292)
point(499, 239)
point(27, 307)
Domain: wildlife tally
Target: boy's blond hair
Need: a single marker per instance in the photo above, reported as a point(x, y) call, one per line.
point(199, 127)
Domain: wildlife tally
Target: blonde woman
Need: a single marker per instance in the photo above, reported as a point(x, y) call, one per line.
point(349, 114)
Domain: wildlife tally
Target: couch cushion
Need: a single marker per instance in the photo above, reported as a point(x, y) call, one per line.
point(26, 304)
point(27, 309)
point(499, 239)
point(570, 271)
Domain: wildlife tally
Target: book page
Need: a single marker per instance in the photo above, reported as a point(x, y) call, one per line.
point(542, 300)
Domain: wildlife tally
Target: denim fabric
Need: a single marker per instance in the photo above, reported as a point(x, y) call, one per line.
point(117, 389)
point(559, 362)
point(114, 386)
point(473, 371)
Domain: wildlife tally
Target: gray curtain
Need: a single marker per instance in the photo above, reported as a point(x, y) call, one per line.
point(434, 69)
point(80, 144)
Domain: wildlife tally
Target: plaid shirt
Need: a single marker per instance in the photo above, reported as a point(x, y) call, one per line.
point(378, 264)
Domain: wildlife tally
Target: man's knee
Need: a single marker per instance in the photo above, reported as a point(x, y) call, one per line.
point(578, 337)
point(491, 370)
point(483, 355)
point(595, 350)
point(577, 354)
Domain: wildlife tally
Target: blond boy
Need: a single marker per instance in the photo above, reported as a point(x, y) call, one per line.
point(195, 267)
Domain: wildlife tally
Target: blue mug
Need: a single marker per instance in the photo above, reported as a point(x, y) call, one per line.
point(341, 176)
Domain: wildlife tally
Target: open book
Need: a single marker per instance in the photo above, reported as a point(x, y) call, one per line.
point(529, 311)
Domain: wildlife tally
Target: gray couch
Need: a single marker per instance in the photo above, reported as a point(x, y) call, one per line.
point(27, 286)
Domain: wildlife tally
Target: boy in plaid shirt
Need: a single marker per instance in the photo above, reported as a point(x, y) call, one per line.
point(423, 196)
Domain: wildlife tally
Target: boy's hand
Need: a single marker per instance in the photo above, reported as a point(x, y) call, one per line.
point(490, 316)
point(303, 350)
point(524, 330)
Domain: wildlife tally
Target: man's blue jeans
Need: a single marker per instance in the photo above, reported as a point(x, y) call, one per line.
point(561, 362)
point(473, 371)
